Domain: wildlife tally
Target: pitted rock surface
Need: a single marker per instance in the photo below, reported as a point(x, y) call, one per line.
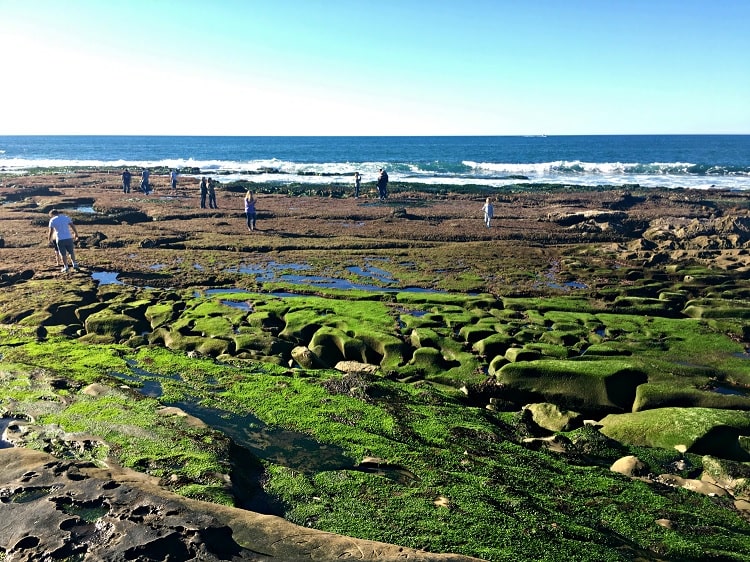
point(52, 509)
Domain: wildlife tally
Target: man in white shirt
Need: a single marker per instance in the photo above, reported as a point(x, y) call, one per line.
point(64, 233)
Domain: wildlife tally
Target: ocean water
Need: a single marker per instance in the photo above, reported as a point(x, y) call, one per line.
point(689, 161)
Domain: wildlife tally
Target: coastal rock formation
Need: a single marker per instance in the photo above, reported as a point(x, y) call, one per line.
point(54, 509)
point(255, 370)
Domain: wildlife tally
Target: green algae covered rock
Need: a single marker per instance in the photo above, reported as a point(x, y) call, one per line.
point(118, 326)
point(496, 364)
point(475, 332)
point(556, 337)
point(388, 349)
point(551, 351)
point(551, 417)
point(428, 358)
point(733, 476)
point(424, 337)
point(493, 345)
point(611, 349)
point(662, 394)
point(213, 327)
point(332, 345)
point(160, 313)
point(37, 302)
point(606, 385)
point(214, 347)
point(518, 354)
point(175, 340)
point(703, 431)
point(300, 325)
point(717, 308)
point(83, 312)
point(261, 343)
point(643, 305)
point(305, 358)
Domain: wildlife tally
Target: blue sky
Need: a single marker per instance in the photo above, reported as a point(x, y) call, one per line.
point(374, 67)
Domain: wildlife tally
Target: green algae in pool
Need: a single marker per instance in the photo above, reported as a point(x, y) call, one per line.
point(292, 449)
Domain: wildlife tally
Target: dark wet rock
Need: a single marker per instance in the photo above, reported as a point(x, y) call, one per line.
point(402, 213)
point(555, 443)
point(355, 384)
point(128, 216)
point(163, 242)
point(10, 277)
point(625, 201)
point(94, 240)
point(597, 216)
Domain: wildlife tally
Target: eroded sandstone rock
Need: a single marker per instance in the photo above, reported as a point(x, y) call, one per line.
point(57, 509)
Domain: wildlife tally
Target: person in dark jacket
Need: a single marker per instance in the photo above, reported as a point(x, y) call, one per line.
point(383, 184)
point(204, 191)
point(126, 175)
point(212, 194)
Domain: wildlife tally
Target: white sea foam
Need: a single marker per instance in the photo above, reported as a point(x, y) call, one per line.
point(489, 174)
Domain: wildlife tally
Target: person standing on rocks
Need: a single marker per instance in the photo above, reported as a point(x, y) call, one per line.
point(126, 175)
point(489, 211)
point(173, 181)
point(212, 194)
point(204, 191)
point(383, 184)
point(357, 183)
point(62, 231)
point(145, 187)
point(250, 210)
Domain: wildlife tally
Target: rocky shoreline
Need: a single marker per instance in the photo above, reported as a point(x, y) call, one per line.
point(594, 337)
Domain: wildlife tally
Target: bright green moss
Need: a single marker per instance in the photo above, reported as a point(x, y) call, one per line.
point(700, 430)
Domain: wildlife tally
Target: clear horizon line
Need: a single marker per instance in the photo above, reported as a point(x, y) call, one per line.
point(528, 135)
